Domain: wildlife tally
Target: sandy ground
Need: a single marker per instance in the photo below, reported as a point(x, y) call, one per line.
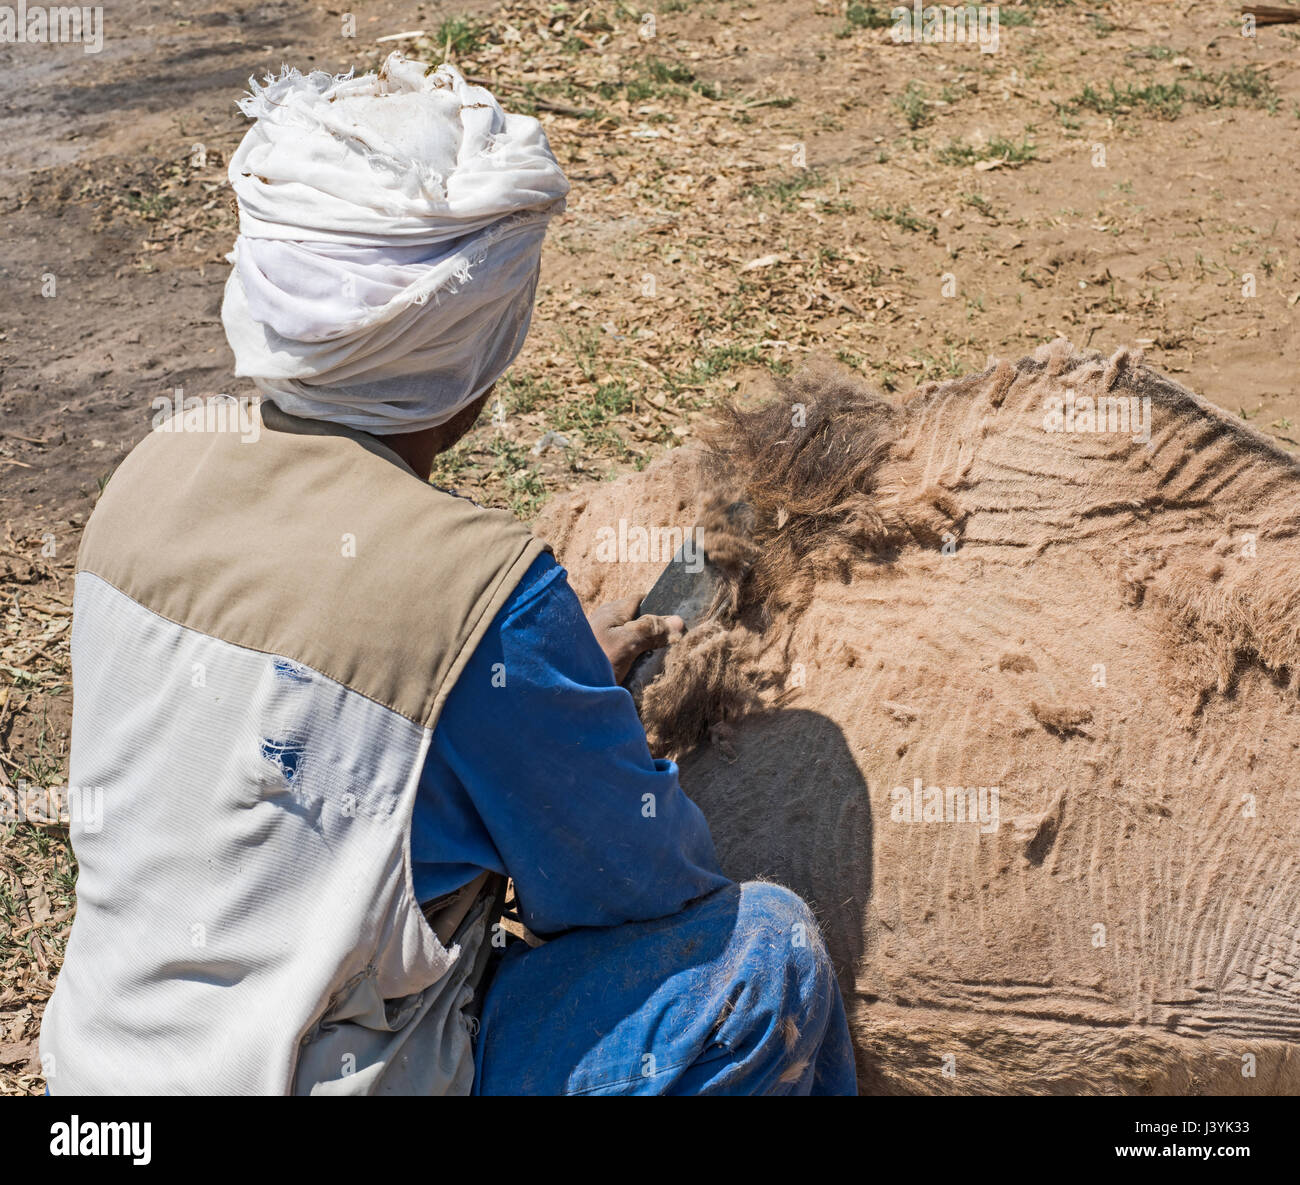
point(752, 183)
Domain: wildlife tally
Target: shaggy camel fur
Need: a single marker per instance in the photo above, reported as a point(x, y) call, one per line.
point(1004, 682)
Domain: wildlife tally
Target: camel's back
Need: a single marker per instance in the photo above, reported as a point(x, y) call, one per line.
point(1035, 769)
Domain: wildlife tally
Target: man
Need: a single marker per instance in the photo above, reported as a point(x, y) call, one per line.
point(332, 708)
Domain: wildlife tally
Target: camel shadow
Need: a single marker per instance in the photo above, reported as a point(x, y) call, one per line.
point(790, 805)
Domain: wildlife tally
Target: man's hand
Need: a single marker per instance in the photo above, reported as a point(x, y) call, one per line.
point(623, 635)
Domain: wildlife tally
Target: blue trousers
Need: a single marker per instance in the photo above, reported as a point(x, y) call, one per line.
point(734, 995)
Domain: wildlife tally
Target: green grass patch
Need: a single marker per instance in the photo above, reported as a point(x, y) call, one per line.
point(150, 206)
point(522, 393)
point(1245, 86)
point(1155, 53)
point(525, 489)
point(865, 16)
point(999, 148)
point(912, 103)
point(906, 219)
point(937, 368)
point(723, 359)
point(1163, 100)
point(655, 78)
point(785, 191)
point(458, 36)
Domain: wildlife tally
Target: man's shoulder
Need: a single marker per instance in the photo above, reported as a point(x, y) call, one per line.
point(216, 469)
point(320, 547)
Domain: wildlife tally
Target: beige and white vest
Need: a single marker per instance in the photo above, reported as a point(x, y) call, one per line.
point(264, 634)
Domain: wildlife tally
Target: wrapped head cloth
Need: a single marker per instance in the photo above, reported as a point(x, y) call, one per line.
point(390, 232)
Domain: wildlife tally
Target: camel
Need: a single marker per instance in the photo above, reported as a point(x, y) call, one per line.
point(1004, 682)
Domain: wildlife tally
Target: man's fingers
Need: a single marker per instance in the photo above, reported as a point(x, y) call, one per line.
point(623, 635)
point(650, 632)
point(614, 614)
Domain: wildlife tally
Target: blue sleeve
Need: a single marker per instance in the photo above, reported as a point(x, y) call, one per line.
point(539, 769)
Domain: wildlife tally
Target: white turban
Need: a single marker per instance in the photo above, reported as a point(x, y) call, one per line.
point(390, 232)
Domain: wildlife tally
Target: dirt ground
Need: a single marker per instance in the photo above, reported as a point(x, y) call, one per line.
point(752, 183)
